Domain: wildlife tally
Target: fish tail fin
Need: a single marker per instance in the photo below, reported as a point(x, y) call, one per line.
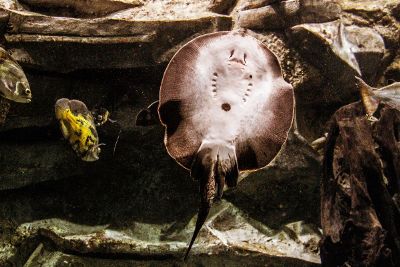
point(214, 165)
point(148, 116)
point(367, 96)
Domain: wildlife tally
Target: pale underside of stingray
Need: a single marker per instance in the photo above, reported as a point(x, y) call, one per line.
point(226, 108)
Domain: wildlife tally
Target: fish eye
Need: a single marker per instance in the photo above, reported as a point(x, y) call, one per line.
point(27, 91)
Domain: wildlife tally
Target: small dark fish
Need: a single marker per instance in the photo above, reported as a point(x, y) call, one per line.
point(13, 83)
point(148, 116)
point(78, 127)
point(101, 116)
point(371, 96)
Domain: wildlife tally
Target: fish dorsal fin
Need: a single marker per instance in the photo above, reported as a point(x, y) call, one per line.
point(367, 96)
point(148, 116)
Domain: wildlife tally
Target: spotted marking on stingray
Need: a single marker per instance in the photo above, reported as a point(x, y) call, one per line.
point(248, 90)
point(214, 84)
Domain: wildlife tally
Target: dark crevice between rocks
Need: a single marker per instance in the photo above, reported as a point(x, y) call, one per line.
point(113, 89)
point(58, 11)
point(77, 8)
point(31, 134)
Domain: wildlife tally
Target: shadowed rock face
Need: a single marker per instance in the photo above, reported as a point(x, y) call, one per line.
point(79, 8)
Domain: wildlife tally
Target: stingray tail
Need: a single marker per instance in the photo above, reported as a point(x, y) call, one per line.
point(201, 219)
point(367, 96)
point(214, 165)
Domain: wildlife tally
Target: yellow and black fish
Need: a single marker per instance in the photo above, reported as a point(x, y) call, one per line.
point(13, 83)
point(78, 127)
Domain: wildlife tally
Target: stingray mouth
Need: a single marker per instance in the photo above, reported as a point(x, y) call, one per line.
point(237, 62)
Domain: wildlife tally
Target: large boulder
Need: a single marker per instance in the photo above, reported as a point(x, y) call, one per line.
point(140, 36)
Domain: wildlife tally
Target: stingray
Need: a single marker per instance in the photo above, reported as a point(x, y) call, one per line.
point(226, 109)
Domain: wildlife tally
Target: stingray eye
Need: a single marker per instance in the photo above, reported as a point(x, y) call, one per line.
point(244, 58)
point(27, 91)
point(232, 52)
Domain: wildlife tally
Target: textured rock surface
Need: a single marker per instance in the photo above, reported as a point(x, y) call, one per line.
point(283, 14)
point(343, 51)
point(137, 37)
point(135, 195)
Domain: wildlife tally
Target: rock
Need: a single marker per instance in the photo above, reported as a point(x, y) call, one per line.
point(343, 51)
point(228, 232)
point(125, 39)
point(393, 71)
point(221, 6)
point(3, 21)
point(339, 59)
point(287, 13)
point(220, 236)
point(297, 71)
point(378, 15)
point(80, 8)
point(286, 190)
point(396, 11)
point(368, 47)
point(59, 259)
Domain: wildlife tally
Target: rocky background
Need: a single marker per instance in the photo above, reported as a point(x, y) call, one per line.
point(136, 206)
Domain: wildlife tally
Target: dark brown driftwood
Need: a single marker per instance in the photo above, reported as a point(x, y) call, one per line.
point(359, 212)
